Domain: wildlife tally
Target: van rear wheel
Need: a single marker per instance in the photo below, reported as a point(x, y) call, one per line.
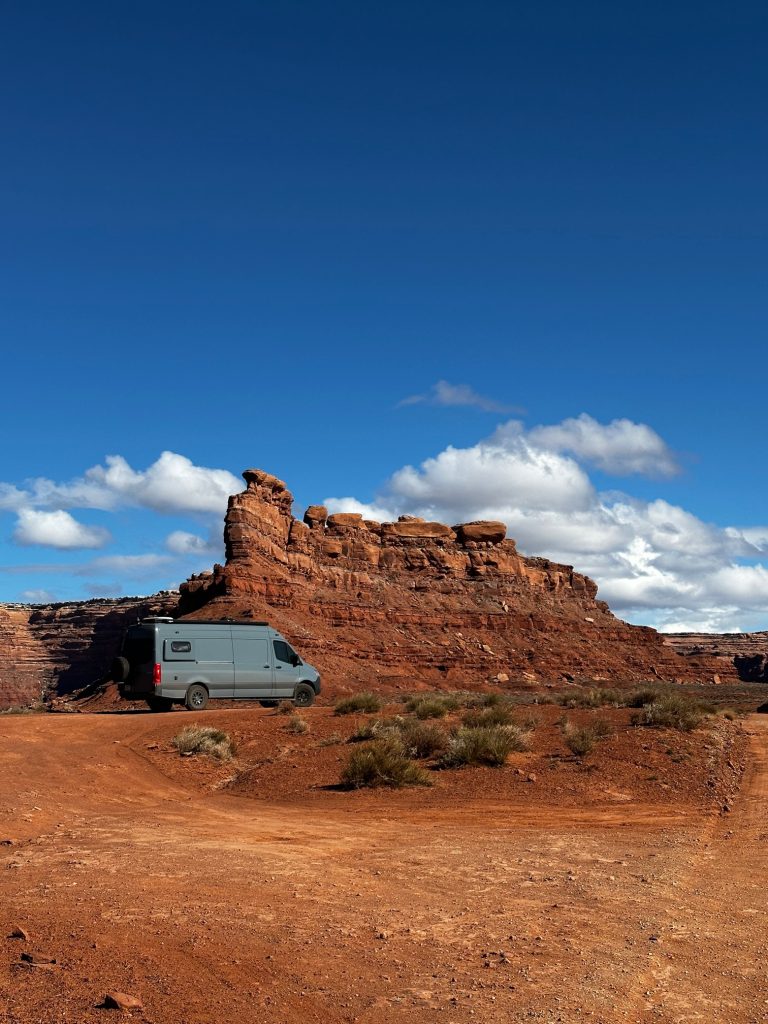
point(197, 698)
point(304, 696)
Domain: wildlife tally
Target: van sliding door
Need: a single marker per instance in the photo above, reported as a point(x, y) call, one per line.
point(254, 678)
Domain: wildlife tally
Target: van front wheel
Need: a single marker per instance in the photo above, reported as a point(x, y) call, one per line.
point(304, 696)
point(197, 698)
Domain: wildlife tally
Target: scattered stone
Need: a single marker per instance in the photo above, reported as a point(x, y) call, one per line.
point(500, 677)
point(19, 933)
point(38, 959)
point(122, 1001)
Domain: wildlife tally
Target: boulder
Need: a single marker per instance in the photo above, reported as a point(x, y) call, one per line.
point(315, 516)
point(345, 520)
point(122, 1001)
point(485, 530)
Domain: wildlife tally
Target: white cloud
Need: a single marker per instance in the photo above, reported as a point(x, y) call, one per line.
point(57, 530)
point(182, 543)
point(653, 560)
point(135, 566)
point(443, 393)
point(38, 596)
point(620, 447)
point(171, 484)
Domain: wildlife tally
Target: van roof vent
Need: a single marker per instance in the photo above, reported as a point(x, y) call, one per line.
point(158, 618)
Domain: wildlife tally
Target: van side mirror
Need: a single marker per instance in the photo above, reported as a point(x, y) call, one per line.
point(295, 660)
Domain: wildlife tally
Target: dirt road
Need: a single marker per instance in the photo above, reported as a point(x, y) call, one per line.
point(213, 907)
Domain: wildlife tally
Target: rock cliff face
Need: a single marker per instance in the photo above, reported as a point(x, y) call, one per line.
point(58, 648)
point(748, 652)
point(416, 603)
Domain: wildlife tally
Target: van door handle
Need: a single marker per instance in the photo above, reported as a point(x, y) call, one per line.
point(278, 667)
point(266, 666)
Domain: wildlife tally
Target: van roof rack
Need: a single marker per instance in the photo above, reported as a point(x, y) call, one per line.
point(158, 618)
point(219, 622)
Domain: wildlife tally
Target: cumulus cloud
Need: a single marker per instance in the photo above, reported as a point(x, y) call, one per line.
point(443, 393)
point(38, 596)
point(620, 447)
point(57, 530)
point(654, 561)
point(171, 484)
point(180, 542)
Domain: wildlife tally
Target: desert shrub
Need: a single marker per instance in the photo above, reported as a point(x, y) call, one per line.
point(383, 763)
point(432, 705)
point(436, 708)
point(297, 725)
point(423, 739)
point(366, 731)
point(204, 739)
point(38, 708)
point(331, 740)
point(529, 722)
point(285, 707)
point(730, 714)
point(580, 740)
point(595, 697)
point(671, 711)
point(496, 714)
point(366, 702)
point(489, 745)
point(492, 700)
point(602, 728)
point(645, 695)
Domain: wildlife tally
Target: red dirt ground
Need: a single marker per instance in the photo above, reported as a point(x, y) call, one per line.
point(253, 890)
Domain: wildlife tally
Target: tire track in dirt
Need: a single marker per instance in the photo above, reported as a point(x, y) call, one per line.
point(707, 959)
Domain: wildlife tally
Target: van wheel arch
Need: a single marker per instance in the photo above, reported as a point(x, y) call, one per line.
point(196, 698)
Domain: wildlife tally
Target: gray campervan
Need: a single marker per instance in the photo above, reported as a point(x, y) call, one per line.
point(165, 662)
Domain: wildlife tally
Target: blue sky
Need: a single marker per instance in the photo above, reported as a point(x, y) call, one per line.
point(244, 234)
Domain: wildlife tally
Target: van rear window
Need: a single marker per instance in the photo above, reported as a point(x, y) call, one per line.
point(181, 646)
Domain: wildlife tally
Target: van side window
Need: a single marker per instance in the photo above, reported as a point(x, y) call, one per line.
point(181, 646)
point(284, 652)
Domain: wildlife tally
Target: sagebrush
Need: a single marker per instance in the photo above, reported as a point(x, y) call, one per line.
point(204, 739)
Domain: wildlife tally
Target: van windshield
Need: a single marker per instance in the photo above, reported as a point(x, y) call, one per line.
point(139, 646)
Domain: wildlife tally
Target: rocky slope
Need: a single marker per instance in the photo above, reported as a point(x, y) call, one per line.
point(416, 603)
point(748, 652)
point(62, 647)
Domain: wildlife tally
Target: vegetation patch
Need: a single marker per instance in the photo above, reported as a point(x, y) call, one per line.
point(383, 763)
point(485, 744)
point(496, 714)
point(366, 702)
point(297, 725)
point(671, 711)
point(424, 707)
point(204, 739)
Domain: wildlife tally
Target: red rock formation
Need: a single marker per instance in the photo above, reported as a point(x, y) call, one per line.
point(59, 648)
point(416, 603)
point(748, 652)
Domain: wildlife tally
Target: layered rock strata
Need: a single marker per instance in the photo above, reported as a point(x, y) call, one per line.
point(747, 652)
point(415, 603)
point(59, 648)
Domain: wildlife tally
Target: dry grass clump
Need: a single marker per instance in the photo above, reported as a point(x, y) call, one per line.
point(495, 714)
point(297, 725)
point(285, 707)
point(38, 708)
point(384, 762)
point(595, 697)
point(423, 739)
point(581, 739)
point(365, 702)
point(425, 706)
point(333, 739)
point(671, 711)
point(485, 744)
point(204, 739)
point(645, 695)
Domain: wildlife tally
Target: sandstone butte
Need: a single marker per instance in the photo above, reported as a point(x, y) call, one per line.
point(406, 605)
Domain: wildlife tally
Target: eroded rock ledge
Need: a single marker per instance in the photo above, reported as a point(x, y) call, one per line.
point(419, 603)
